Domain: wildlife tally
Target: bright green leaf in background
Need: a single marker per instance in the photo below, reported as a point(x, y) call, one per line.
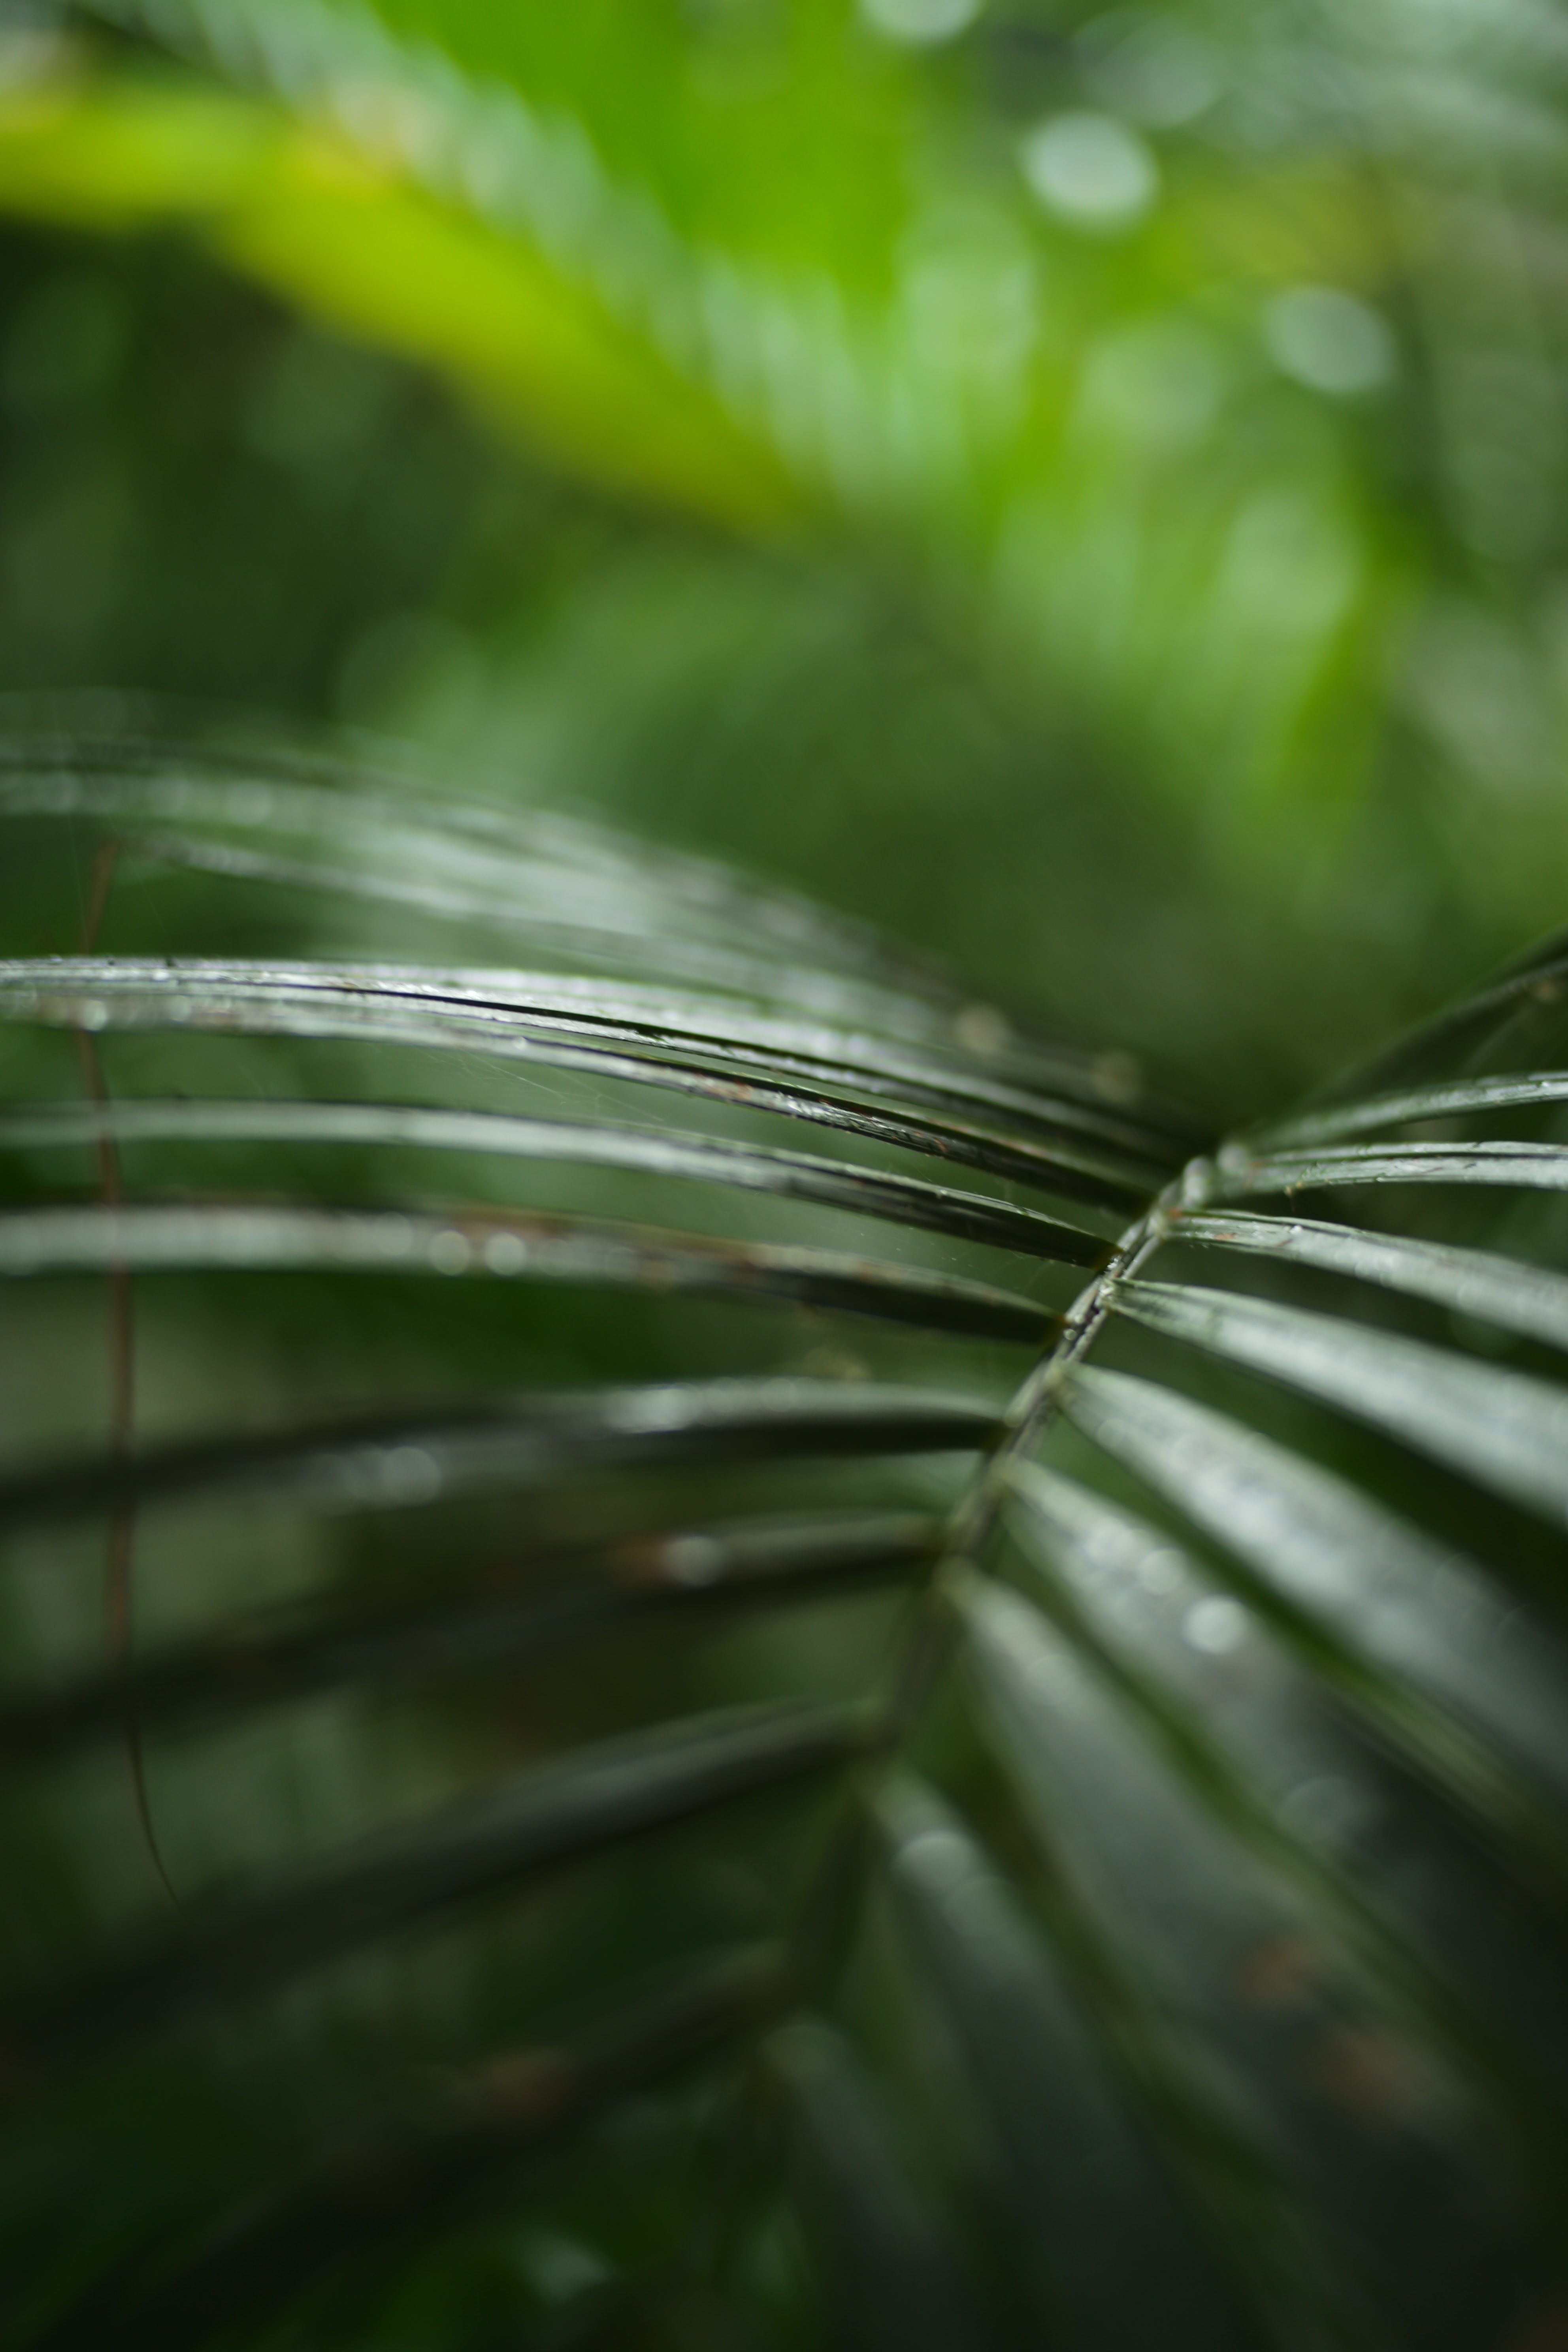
point(1083, 486)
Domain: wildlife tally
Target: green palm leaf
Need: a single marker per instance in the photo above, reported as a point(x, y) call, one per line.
point(671, 1739)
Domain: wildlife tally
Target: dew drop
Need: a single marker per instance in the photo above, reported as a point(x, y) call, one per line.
point(1215, 1626)
point(1324, 1811)
point(983, 1030)
point(694, 1559)
point(1161, 1571)
point(506, 1254)
point(409, 1474)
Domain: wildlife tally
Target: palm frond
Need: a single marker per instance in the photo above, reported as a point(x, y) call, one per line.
point(887, 1837)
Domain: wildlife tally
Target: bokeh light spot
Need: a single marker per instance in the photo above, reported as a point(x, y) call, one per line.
point(1091, 171)
point(1328, 340)
point(923, 23)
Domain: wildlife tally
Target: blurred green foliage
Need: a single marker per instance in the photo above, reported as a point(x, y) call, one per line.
point(1083, 487)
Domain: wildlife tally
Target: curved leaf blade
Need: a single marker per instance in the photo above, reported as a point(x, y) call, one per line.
point(1537, 1167)
point(251, 1941)
point(404, 1459)
point(304, 1005)
point(893, 2280)
point(400, 2183)
point(600, 1144)
point(1505, 1430)
point(1166, 1879)
point(1477, 1283)
point(1422, 1615)
point(267, 1661)
point(254, 1237)
point(1107, 2240)
point(1457, 1098)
